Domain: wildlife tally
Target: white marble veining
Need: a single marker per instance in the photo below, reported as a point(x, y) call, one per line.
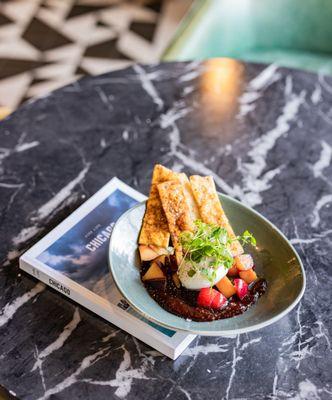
point(265, 78)
point(325, 200)
point(56, 345)
point(25, 234)
point(148, 85)
point(255, 89)
point(21, 146)
point(316, 95)
point(105, 99)
point(125, 135)
point(193, 351)
point(11, 185)
point(26, 146)
point(183, 154)
point(255, 177)
point(47, 208)
point(304, 241)
point(235, 360)
point(324, 160)
point(74, 377)
point(9, 310)
point(254, 159)
point(126, 374)
point(192, 71)
point(325, 83)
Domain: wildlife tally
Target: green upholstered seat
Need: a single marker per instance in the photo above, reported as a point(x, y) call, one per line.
point(293, 33)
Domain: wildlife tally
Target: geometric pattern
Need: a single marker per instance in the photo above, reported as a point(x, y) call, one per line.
point(45, 44)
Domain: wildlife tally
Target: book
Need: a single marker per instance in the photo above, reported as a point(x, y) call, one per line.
point(73, 259)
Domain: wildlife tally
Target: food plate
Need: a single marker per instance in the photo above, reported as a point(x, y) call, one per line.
point(275, 259)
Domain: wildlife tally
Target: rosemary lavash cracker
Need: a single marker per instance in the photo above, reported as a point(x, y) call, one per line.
point(175, 203)
point(155, 230)
point(188, 193)
point(177, 211)
point(210, 208)
point(155, 227)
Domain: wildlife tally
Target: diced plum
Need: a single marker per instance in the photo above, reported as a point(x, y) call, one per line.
point(241, 288)
point(146, 253)
point(233, 271)
point(160, 259)
point(209, 297)
point(159, 250)
point(244, 262)
point(226, 287)
point(218, 301)
point(154, 272)
point(205, 297)
point(248, 276)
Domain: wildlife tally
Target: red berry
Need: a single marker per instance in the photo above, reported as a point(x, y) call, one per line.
point(205, 297)
point(241, 288)
point(209, 297)
point(219, 301)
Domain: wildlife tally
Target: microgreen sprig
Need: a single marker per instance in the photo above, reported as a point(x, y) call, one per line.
point(212, 243)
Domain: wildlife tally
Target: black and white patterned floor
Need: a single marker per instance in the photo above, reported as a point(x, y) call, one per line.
point(45, 44)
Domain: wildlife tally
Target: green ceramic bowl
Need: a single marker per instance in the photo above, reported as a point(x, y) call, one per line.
point(275, 258)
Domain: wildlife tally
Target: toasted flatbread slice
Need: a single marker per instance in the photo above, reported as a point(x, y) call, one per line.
point(155, 227)
point(210, 208)
point(193, 209)
point(163, 174)
point(177, 212)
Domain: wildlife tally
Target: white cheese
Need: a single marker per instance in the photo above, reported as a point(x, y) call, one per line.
point(198, 280)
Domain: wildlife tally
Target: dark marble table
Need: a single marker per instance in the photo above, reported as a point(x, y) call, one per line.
point(264, 133)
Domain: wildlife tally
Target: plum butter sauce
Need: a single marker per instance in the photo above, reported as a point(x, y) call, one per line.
point(183, 302)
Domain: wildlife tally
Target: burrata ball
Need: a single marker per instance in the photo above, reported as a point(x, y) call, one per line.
point(198, 280)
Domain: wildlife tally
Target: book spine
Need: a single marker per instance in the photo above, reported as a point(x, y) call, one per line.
point(112, 313)
point(48, 280)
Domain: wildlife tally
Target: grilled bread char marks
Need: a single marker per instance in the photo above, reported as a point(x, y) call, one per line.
point(177, 211)
point(210, 209)
point(155, 227)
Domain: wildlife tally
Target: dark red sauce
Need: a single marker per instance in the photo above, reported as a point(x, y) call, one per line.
point(183, 302)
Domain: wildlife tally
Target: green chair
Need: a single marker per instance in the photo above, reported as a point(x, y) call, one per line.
point(292, 33)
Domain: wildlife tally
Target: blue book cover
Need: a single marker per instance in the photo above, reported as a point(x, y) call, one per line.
point(73, 258)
